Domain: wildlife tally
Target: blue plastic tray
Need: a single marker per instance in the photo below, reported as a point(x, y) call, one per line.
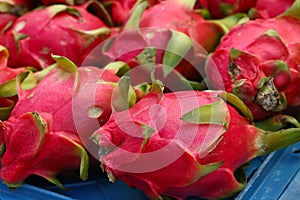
point(278, 178)
point(274, 177)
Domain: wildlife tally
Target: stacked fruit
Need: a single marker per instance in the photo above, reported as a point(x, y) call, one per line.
point(173, 97)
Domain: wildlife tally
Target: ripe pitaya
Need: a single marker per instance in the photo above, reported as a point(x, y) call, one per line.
point(259, 63)
point(17, 7)
point(11, 9)
point(269, 8)
point(120, 10)
point(145, 40)
point(185, 144)
point(222, 8)
point(68, 2)
point(41, 136)
point(7, 76)
point(7, 20)
point(6, 73)
point(180, 16)
point(57, 29)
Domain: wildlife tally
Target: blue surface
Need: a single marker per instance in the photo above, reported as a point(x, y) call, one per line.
point(278, 178)
point(274, 177)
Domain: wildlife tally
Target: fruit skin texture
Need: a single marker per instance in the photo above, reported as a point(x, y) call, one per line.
point(222, 8)
point(41, 137)
point(259, 63)
point(157, 37)
point(174, 15)
point(57, 29)
point(269, 8)
point(69, 2)
point(120, 10)
point(6, 20)
point(135, 145)
point(6, 73)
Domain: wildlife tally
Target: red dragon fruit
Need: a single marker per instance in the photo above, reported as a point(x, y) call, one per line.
point(6, 73)
point(120, 10)
point(57, 29)
point(7, 20)
point(11, 9)
point(7, 76)
point(184, 144)
point(222, 8)
point(269, 8)
point(68, 2)
point(172, 38)
point(180, 16)
point(259, 63)
point(41, 136)
point(17, 7)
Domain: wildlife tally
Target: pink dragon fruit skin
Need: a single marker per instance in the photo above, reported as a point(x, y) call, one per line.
point(174, 15)
point(222, 8)
point(7, 75)
point(136, 145)
point(119, 10)
point(71, 29)
point(269, 8)
point(41, 154)
point(44, 118)
point(6, 21)
point(259, 63)
point(18, 7)
point(68, 2)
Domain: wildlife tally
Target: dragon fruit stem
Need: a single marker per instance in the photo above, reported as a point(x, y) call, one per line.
point(278, 122)
point(272, 141)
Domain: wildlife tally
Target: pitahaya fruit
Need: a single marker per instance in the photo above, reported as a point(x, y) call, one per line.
point(17, 7)
point(68, 2)
point(119, 10)
point(7, 20)
point(145, 40)
point(57, 29)
point(222, 8)
point(6, 73)
point(185, 144)
point(11, 9)
point(41, 136)
point(269, 8)
point(151, 46)
point(259, 63)
point(7, 76)
point(180, 16)
point(9, 80)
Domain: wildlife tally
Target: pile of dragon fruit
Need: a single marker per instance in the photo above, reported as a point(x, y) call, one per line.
point(173, 97)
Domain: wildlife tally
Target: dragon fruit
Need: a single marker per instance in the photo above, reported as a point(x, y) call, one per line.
point(7, 75)
point(184, 144)
point(259, 63)
point(17, 7)
point(120, 10)
point(41, 136)
point(180, 16)
point(68, 2)
point(11, 9)
point(175, 42)
point(7, 20)
point(71, 29)
point(222, 8)
point(269, 8)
